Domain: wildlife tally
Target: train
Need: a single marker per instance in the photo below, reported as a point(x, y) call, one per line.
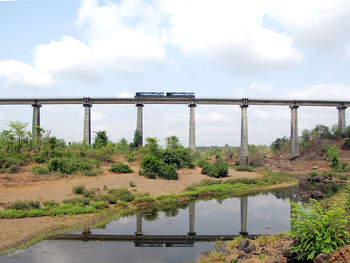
point(164, 95)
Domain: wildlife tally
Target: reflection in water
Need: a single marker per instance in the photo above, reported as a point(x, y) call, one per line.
point(261, 214)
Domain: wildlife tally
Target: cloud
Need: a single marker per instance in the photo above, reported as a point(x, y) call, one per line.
point(230, 33)
point(17, 73)
point(321, 91)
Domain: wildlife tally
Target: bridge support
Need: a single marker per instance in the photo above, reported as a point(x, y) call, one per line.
point(341, 118)
point(139, 124)
point(191, 210)
point(244, 215)
point(192, 141)
point(138, 224)
point(294, 140)
point(87, 123)
point(244, 136)
point(36, 119)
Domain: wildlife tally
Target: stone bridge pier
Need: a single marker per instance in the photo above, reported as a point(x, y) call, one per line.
point(36, 119)
point(294, 139)
point(341, 118)
point(244, 135)
point(87, 123)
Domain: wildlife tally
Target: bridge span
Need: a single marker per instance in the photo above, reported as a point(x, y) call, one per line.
point(192, 103)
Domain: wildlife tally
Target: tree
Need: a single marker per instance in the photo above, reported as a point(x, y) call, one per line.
point(137, 140)
point(101, 139)
point(7, 137)
point(172, 142)
point(17, 128)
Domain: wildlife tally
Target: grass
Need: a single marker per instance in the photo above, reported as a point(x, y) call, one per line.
point(90, 201)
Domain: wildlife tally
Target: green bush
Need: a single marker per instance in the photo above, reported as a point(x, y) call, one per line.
point(120, 168)
point(319, 229)
point(122, 194)
point(143, 199)
point(39, 170)
point(313, 174)
point(79, 189)
point(69, 166)
point(244, 169)
point(99, 205)
point(215, 170)
point(242, 180)
point(346, 143)
point(23, 205)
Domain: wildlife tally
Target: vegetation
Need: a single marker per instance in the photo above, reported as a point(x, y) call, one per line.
point(319, 229)
point(120, 168)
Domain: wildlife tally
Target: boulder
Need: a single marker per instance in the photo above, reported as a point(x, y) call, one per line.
point(323, 258)
point(243, 245)
point(312, 194)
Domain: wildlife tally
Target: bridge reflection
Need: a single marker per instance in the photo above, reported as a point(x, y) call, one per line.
point(142, 240)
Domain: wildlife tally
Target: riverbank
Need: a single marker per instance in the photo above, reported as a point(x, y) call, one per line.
point(17, 232)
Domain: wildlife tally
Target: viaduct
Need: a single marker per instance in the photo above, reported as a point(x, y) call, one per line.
point(192, 103)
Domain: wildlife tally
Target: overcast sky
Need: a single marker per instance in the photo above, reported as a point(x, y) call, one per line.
point(215, 48)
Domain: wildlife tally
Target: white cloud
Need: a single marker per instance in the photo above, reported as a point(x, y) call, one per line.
point(17, 73)
point(321, 91)
point(320, 24)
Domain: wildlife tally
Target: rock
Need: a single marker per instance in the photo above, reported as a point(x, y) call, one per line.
point(222, 250)
point(240, 255)
point(323, 258)
point(243, 245)
point(312, 194)
point(205, 253)
point(286, 249)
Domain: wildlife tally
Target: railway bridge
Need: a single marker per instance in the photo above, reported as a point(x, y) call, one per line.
point(191, 101)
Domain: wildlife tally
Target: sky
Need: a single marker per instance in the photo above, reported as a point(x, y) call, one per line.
point(214, 48)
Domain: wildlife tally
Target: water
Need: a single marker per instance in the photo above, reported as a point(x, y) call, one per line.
point(260, 214)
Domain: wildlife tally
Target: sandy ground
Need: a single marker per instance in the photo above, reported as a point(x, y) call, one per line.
point(26, 186)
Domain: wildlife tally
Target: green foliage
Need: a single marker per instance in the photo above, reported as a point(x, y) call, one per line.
point(101, 140)
point(132, 184)
point(120, 168)
point(39, 170)
point(244, 169)
point(153, 168)
point(313, 174)
point(122, 147)
point(17, 129)
point(346, 143)
point(215, 170)
point(280, 145)
point(143, 199)
point(137, 140)
point(319, 229)
point(172, 143)
point(68, 165)
point(122, 194)
point(23, 205)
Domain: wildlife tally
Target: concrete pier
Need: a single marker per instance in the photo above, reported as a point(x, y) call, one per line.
point(191, 210)
point(36, 118)
point(244, 136)
point(294, 139)
point(138, 224)
point(341, 118)
point(192, 141)
point(139, 124)
point(244, 215)
point(87, 123)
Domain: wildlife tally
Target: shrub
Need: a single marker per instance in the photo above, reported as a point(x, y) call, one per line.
point(23, 205)
point(50, 203)
point(120, 168)
point(215, 170)
point(143, 199)
point(132, 184)
point(318, 229)
point(346, 143)
point(122, 194)
point(313, 174)
point(79, 189)
point(244, 169)
point(99, 205)
point(39, 170)
point(242, 181)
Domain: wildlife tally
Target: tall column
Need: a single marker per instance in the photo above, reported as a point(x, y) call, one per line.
point(244, 136)
point(139, 124)
point(138, 224)
point(341, 118)
point(191, 210)
point(244, 215)
point(87, 123)
point(36, 118)
point(294, 140)
point(192, 141)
